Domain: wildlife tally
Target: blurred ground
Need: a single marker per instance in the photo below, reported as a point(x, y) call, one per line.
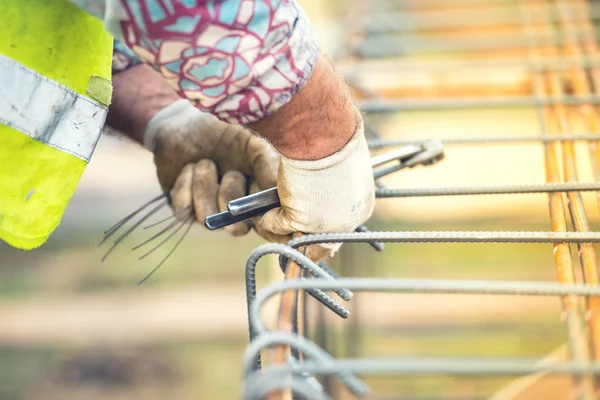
point(74, 328)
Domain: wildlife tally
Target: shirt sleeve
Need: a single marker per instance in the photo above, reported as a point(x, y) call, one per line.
point(240, 60)
point(123, 58)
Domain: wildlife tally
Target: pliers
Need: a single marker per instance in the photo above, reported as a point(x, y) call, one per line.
point(409, 156)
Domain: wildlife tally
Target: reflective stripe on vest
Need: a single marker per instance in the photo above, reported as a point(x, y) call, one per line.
point(48, 111)
point(54, 92)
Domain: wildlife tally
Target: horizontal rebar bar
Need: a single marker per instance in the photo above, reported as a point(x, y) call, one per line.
point(402, 21)
point(450, 237)
point(401, 4)
point(395, 45)
point(391, 105)
point(306, 347)
point(362, 67)
point(455, 366)
point(381, 143)
point(440, 286)
point(487, 190)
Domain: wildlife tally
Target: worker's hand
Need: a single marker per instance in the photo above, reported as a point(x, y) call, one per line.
point(325, 180)
point(333, 194)
point(205, 163)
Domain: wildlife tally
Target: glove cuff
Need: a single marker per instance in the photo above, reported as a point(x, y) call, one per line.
point(334, 194)
point(181, 110)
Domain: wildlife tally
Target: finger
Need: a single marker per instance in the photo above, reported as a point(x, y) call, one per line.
point(181, 194)
point(233, 186)
point(264, 160)
point(205, 189)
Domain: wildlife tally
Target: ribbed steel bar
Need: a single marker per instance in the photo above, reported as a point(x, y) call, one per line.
point(287, 322)
point(440, 286)
point(449, 237)
point(453, 366)
point(590, 50)
point(578, 342)
point(298, 258)
point(393, 105)
point(552, 187)
point(362, 67)
point(412, 4)
point(507, 15)
point(587, 251)
point(382, 143)
point(312, 351)
point(391, 45)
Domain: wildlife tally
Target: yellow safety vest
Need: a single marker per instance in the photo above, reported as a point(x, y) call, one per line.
point(55, 88)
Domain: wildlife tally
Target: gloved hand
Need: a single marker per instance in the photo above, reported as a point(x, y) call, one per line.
point(333, 194)
point(205, 163)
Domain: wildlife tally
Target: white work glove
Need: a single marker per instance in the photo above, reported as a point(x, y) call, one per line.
point(333, 194)
point(206, 163)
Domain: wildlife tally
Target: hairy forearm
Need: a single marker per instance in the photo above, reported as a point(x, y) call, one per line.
point(139, 93)
point(319, 120)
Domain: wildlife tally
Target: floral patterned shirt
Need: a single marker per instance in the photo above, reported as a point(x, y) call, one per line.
point(237, 59)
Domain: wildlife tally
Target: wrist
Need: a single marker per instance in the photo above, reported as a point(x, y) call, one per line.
point(317, 122)
point(139, 93)
point(174, 114)
point(351, 151)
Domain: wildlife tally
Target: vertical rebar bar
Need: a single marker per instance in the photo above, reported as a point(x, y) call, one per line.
point(589, 82)
point(288, 308)
point(578, 343)
point(587, 251)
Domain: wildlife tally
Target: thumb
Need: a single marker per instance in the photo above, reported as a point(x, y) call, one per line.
point(276, 225)
point(272, 227)
point(277, 221)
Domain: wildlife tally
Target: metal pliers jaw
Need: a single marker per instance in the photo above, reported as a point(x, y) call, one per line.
point(410, 156)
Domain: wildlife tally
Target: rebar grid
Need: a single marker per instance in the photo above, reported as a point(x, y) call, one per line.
point(560, 53)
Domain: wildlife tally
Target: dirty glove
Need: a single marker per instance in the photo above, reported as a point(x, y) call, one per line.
point(205, 163)
point(192, 150)
point(334, 194)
